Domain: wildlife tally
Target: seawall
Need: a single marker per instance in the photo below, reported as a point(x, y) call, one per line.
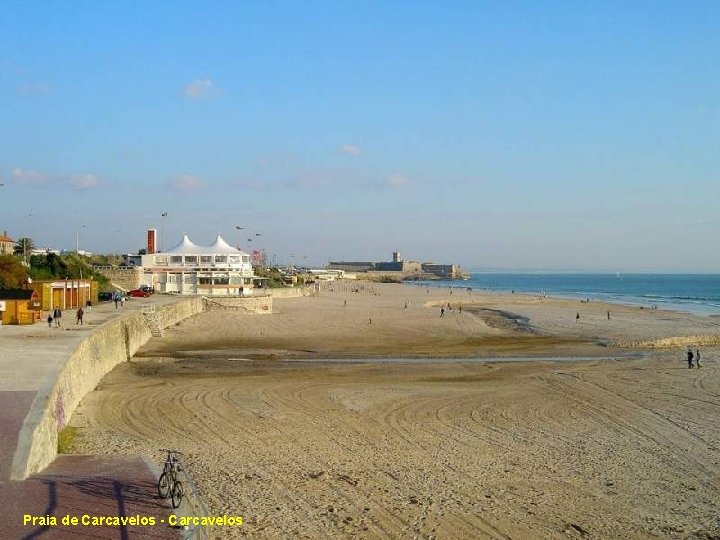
point(113, 342)
point(295, 292)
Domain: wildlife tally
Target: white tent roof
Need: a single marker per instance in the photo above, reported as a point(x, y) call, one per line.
point(186, 247)
point(221, 246)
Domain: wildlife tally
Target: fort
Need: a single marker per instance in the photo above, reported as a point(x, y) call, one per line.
point(400, 270)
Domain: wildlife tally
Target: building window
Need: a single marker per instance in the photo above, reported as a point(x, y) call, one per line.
point(188, 278)
point(234, 259)
point(206, 259)
point(176, 259)
point(191, 259)
point(205, 281)
point(221, 258)
point(221, 281)
point(246, 258)
point(161, 260)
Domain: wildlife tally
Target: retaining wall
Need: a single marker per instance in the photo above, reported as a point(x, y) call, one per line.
point(126, 277)
point(295, 292)
point(249, 304)
point(114, 342)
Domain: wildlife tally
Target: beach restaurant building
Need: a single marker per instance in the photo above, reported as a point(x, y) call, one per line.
point(216, 270)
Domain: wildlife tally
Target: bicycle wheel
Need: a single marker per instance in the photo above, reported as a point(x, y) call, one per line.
point(164, 485)
point(177, 494)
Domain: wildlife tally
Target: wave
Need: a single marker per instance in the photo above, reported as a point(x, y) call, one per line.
point(694, 293)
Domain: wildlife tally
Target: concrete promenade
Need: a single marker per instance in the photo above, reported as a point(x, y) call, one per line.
point(31, 358)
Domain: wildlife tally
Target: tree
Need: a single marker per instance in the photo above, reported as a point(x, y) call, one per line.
point(13, 274)
point(24, 247)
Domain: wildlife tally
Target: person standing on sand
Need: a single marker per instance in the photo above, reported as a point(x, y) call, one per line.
point(608, 315)
point(577, 317)
point(56, 315)
point(79, 316)
point(697, 357)
point(442, 311)
point(50, 320)
point(690, 358)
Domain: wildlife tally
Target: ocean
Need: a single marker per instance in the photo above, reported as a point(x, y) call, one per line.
point(693, 293)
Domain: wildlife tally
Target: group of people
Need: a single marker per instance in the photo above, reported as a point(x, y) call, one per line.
point(56, 316)
point(448, 307)
point(695, 357)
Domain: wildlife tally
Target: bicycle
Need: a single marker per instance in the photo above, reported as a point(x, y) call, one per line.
point(168, 484)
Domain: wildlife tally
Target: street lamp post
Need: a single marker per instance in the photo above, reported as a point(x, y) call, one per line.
point(77, 253)
point(77, 239)
point(162, 230)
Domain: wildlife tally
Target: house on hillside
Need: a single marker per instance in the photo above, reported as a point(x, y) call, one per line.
point(7, 244)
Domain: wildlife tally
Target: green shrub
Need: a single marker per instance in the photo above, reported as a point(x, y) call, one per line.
point(66, 438)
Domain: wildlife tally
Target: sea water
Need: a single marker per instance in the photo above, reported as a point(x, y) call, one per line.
point(693, 293)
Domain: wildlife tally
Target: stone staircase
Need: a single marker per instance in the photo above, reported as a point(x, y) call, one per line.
point(153, 320)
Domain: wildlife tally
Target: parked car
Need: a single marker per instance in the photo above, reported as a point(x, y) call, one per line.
point(147, 289)
point(105, 296)
point(138, 293)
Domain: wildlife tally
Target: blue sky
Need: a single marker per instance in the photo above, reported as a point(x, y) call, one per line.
point(545, 135)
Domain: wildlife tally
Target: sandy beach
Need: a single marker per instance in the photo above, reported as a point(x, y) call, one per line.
point(363, 412)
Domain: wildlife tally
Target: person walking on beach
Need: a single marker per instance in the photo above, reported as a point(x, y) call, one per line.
point(697, 357)
point(608, 315)
point(56, 315)
point(577, 317)
point(690, 358)
point(50, 320)
point(117, 300)
point(442, 311)
point(79, 316)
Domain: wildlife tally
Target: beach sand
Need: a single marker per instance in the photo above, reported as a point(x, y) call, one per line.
point(278, 427)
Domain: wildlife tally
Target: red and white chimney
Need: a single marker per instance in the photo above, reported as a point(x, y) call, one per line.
point(151, 241)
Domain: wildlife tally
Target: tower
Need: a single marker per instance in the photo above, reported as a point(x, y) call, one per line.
point(151, 241)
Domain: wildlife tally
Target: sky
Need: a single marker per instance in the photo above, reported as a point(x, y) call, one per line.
point(495, 135)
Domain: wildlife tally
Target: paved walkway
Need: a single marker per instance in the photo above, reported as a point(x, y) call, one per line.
point(30, 358)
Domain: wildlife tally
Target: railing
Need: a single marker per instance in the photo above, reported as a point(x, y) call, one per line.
point(153, 320)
